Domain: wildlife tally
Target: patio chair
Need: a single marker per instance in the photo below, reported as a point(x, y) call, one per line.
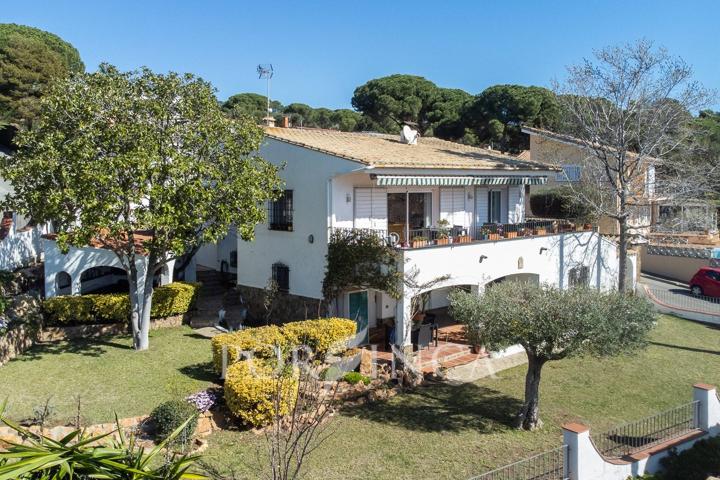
point(424, 336)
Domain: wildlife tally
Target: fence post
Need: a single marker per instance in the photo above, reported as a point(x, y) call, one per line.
point(576, 436)
point(708, 406)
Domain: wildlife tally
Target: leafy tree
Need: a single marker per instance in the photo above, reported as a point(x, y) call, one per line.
point(251, 105)
point(116, 155)
point(391, 101)
point(553, 324)
point(300, 113)
point(347, 120)
point(445, 114)
point(498, 113)
point(29, 60)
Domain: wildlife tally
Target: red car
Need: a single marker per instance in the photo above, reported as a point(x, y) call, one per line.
point(706, 282)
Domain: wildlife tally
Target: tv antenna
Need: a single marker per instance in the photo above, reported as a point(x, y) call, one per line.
point(265, 70)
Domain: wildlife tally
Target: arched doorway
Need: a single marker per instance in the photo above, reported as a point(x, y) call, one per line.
point(103, 280)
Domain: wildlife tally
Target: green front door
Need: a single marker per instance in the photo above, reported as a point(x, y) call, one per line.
point(359, 312)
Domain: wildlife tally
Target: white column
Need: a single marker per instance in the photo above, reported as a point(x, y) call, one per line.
point(403, 322)
point(709, 407)
point(75, 284)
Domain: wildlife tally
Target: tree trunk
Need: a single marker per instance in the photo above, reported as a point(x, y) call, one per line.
point(140, 306)
point(622, 254)
point(529, 418)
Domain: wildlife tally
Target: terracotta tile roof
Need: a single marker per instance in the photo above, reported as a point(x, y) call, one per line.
point(139, 238)
point(386, 151)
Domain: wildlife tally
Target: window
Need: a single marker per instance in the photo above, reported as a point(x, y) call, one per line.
point(280, 212)
point(281, 277)
point(233, 259)
point(494, 209)
point(570, 173)
point(713, 275)
point(579, 276)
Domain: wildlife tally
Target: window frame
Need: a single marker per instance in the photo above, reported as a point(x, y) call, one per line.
point(579, 276)
point(281, 276)
point(280, 212)
point(492, 204)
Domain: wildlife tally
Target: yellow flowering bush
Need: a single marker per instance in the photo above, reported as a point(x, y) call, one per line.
point(262, 342)
point(323, 336)
point(251, 386)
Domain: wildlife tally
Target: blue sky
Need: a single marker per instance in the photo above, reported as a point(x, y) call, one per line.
point(323, 50)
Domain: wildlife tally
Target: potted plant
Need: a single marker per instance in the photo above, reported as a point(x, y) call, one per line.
point(443, 237)
point(419, 241)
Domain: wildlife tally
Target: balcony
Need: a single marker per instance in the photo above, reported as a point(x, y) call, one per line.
point(439, 237)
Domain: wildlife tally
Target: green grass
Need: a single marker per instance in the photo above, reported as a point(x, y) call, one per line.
point(449, 432)
point(108, 375)
point(439, 431)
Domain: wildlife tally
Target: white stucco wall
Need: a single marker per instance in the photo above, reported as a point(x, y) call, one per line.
point(77, 260)
point(308, 174)
point(20, 248)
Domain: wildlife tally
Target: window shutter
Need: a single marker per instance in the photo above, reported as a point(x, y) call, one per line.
point(481, 206)
point(363, 208)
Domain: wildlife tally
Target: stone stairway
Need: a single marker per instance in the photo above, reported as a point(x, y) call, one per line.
point(211, 298)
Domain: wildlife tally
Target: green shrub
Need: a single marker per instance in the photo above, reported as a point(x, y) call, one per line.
point(170, 415)
point(322, 335)
point(353, 378)
point(696, 463)
point(173, 299)
point(560, 202)
point(251, 386)
point(69, 309)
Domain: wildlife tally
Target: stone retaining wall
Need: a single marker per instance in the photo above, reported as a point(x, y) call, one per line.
point(287, 307)
point(15, 341)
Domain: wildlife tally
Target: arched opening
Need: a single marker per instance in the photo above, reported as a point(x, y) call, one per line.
point(63, 284)
point(103, 280)
point(433, 313)
point(533, 278)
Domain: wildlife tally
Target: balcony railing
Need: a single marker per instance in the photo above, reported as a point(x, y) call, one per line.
point(426, 237)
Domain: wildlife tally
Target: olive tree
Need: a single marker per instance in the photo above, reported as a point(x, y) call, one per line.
point(553, 324)
point(146, 165)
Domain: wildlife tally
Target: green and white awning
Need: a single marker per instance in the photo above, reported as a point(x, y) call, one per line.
point(454, 181)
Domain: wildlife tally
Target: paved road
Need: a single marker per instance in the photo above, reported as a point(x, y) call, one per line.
point(677, 294)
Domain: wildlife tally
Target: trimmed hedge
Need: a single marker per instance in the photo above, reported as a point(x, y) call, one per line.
point(323, 336)
point(250, 388)
point(174, 299)
point(168, 416)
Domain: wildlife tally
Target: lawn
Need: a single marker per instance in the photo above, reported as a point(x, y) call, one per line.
point(107, 374)
point(439, 431)
point(456, 432)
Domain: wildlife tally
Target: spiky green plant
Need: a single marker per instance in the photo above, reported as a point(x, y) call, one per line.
point(78, 456)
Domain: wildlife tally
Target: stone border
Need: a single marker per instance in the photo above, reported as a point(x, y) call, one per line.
point(15, 341)
point(208, 422)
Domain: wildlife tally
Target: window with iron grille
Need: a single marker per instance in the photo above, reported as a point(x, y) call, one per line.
point(281, 277)
point(579, 276)
point(280, 212)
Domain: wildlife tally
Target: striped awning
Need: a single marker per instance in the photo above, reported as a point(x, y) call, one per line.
point(450, 181)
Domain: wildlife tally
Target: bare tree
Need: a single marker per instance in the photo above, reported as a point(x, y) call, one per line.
point(629, 110)
point(293, 437)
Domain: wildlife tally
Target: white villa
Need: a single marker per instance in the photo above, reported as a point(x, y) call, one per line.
point(404, 192)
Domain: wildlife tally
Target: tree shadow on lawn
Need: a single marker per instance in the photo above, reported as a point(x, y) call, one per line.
point(201, 371)
point(91, 347)
point(442, 407)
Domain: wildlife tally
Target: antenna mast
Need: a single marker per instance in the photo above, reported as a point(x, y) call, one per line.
point(265, 70)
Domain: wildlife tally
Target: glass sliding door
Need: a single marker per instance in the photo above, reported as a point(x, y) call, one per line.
point(409, 211)
point(495, 206)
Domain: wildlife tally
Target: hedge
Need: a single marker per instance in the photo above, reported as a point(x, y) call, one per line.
point(173, 299)
point(251, 386)
point(322, 335)
point(559, 202)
